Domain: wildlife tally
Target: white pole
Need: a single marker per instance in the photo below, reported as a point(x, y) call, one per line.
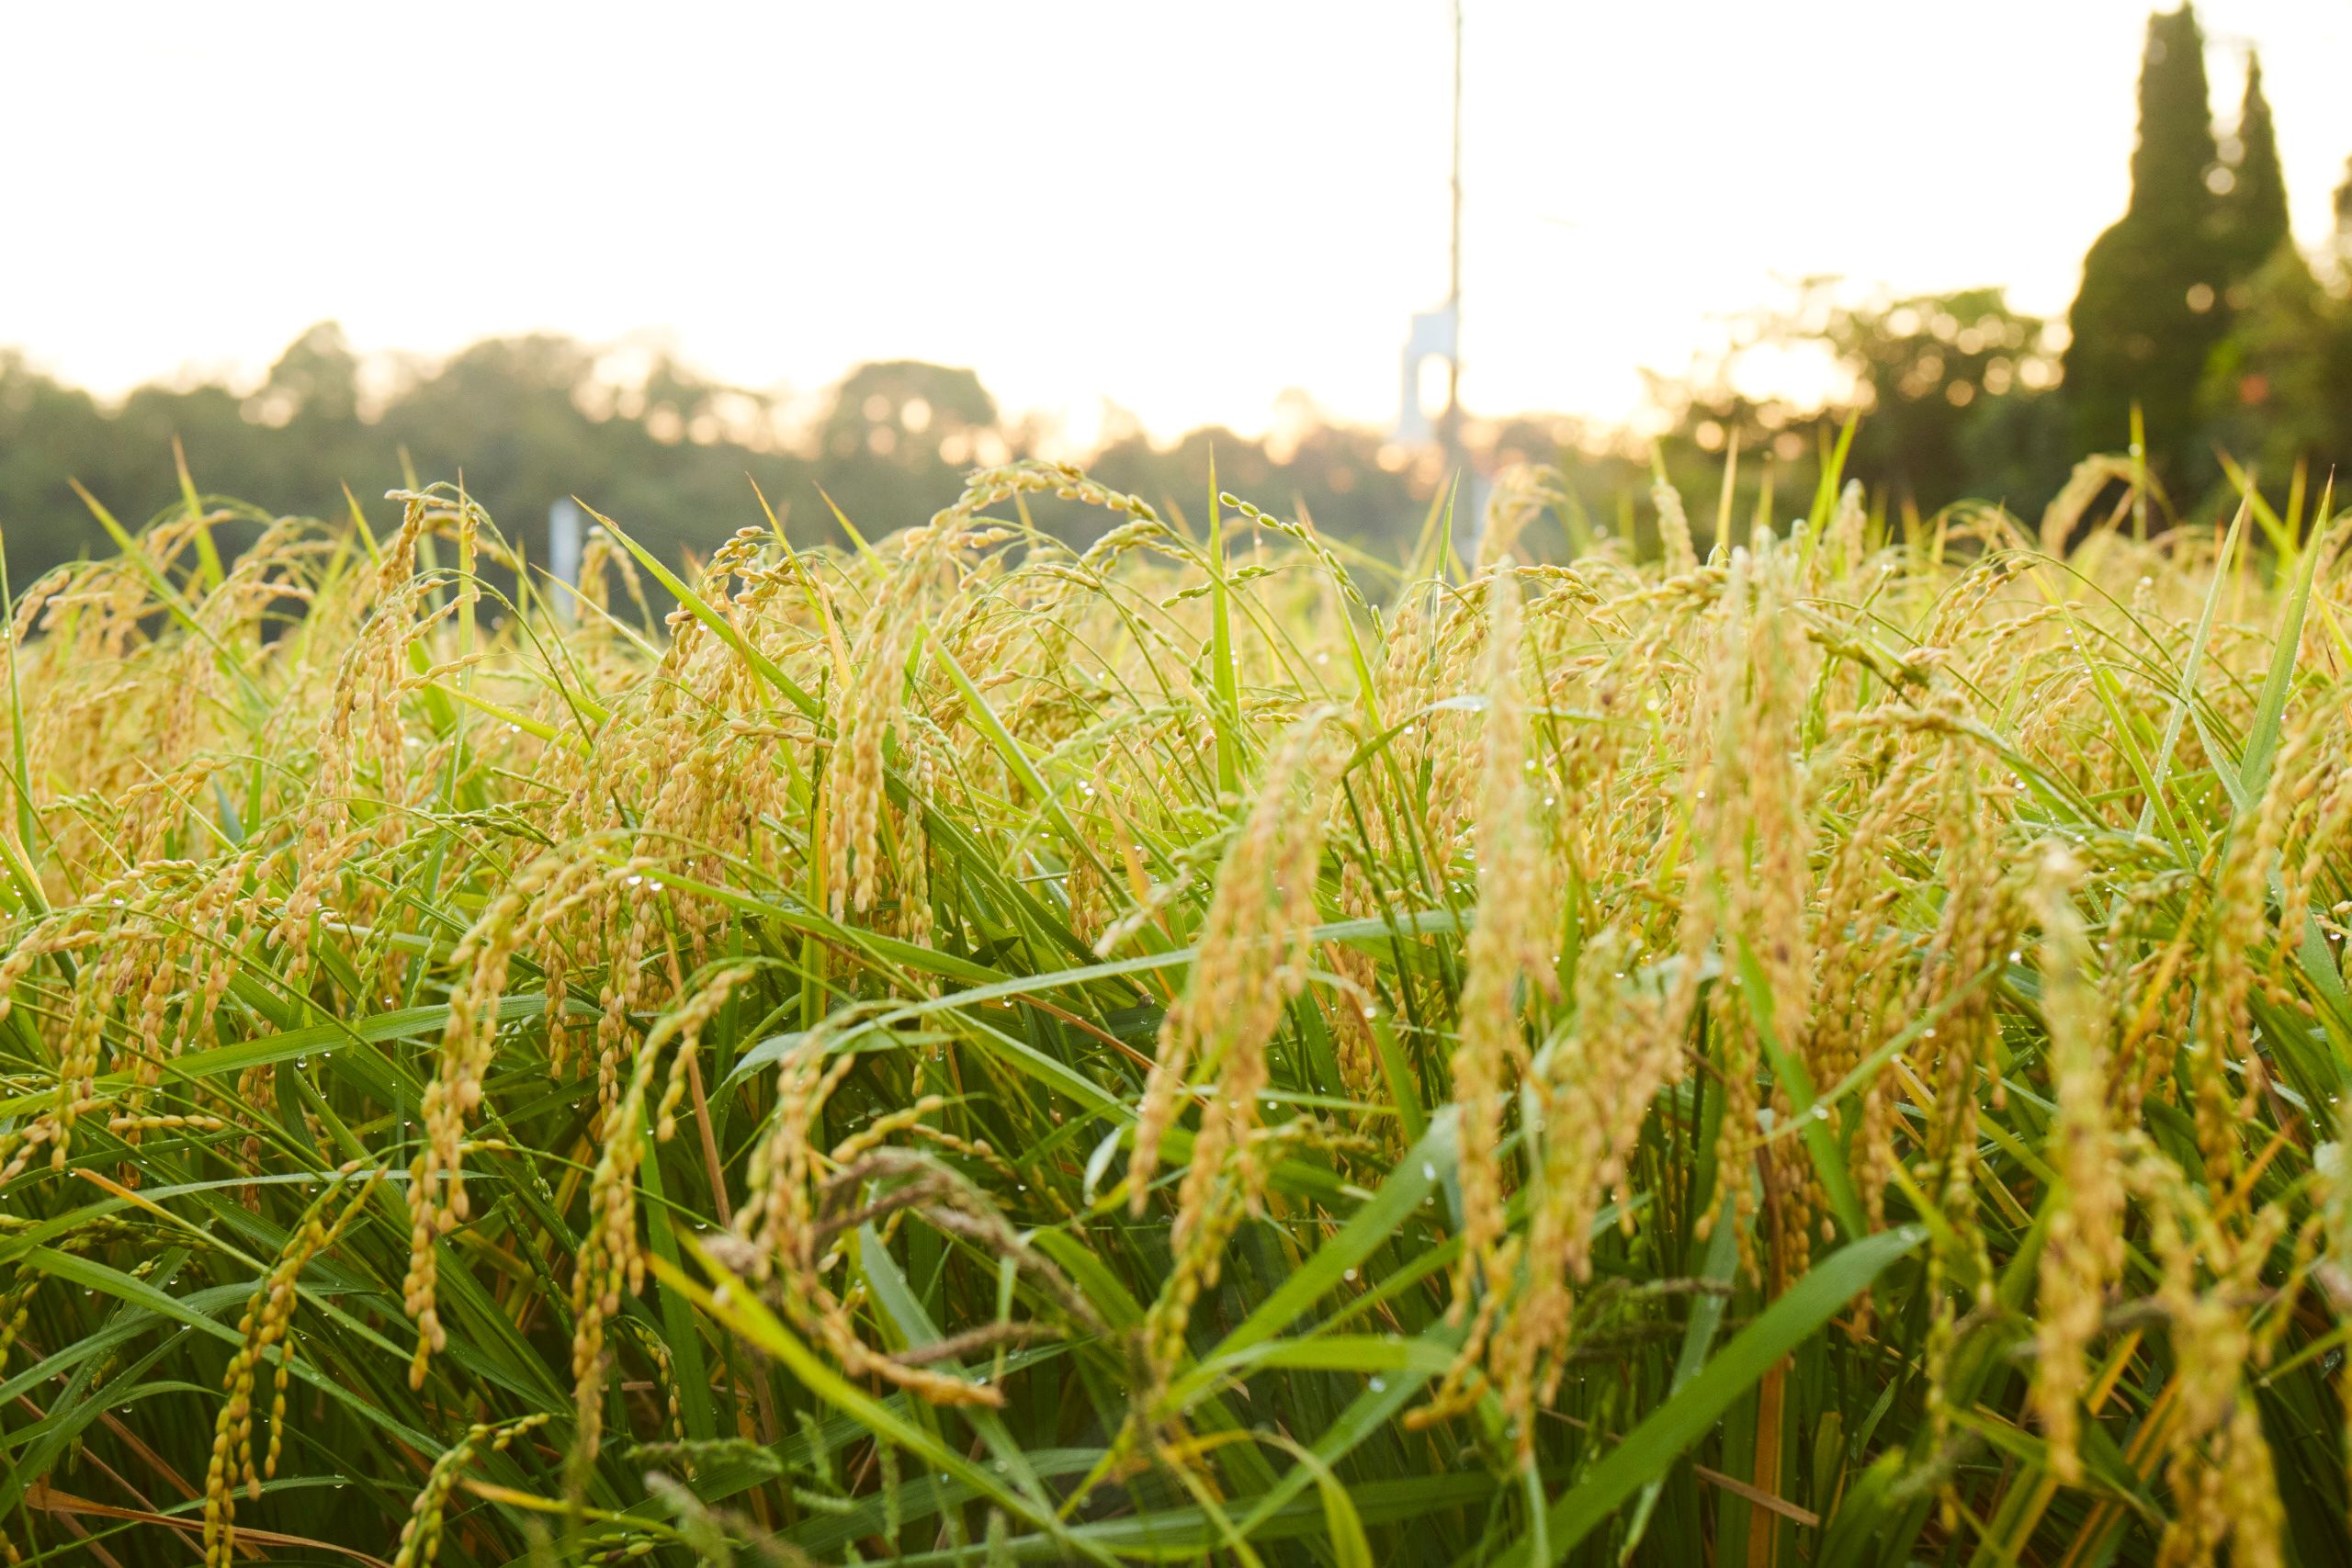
point(563, 554)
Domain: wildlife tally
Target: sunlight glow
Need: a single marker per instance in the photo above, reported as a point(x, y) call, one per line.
point(1184, 211)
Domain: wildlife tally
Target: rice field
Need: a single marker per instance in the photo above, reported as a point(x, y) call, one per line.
point(1813, 1041)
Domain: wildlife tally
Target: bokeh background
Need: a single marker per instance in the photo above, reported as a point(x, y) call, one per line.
point(851, 251)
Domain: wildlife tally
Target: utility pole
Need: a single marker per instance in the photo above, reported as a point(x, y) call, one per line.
point(1438, 334)
point(1451, 429)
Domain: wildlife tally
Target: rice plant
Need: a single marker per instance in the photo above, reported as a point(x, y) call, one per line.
point(1823, 1047)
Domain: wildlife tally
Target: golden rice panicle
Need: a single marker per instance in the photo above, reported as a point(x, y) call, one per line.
point(1253, 952)
point(1454, 745)
point(1522, 494)
point(1861, 978)
point(362, 723)
point(915, 913)
point(876, 695)
point(775, 1218)
point(1593, 1085)
point(1254, 955)
point(1356, 1047)
point(871, 711)
point(1960, 613)
point(436, 1176)
point(1510, 944)
point(2083, 1256)
point(2319, 822)
point(802, 1205)
point(1400, 689)
point(2222, 1035)
point(2217, 1462)
point(420, 1542)
point(57, 934)
point(1217, 1203)
point(855, 800)
point(2333, 1269)
point(1510, 949)
point(611, 1263)
point(82, 1053)
point(1773, 902)
point(1751, 878)
point(268, 1317)
point(2149, 997)
point(130, 922)
point(630, 915)
point(1847, 535)
point(1673, 528)
point(1978, 926)
point(573, 897)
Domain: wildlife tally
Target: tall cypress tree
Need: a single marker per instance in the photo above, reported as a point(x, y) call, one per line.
point(2254, 207)
point(2151, 306)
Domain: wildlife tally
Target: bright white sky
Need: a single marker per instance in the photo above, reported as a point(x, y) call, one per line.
point(1183, 207)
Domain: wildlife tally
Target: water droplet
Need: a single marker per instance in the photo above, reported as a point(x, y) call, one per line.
point(1347, 1274)
point(2017, 956)
point(1378, 1385)
point(1429, 1171)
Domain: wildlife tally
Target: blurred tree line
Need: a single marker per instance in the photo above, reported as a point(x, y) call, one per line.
point(2196, 309)
point(670, 454)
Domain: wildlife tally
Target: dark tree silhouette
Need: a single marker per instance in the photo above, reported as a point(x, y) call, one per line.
point(2151, 306)
point(2254, 205)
